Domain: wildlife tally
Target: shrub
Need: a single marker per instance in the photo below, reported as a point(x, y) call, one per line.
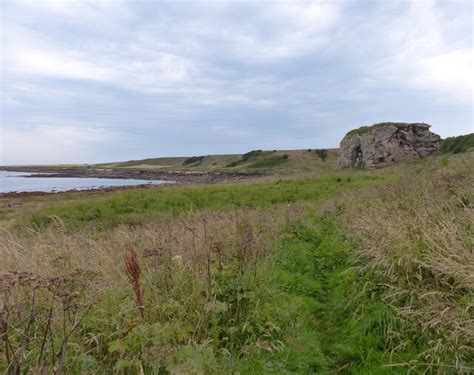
point(251, 155)
point(193, 160)
point(232, 165)
point(322, 153)
point(458, 144)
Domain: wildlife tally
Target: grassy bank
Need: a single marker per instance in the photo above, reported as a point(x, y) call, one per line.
point(357, 273)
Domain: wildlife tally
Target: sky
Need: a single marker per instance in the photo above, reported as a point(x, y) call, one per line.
point(86, 81)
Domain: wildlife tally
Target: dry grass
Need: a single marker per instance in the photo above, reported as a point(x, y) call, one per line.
point(165, 261)
point(417, 238)
point(57, 250)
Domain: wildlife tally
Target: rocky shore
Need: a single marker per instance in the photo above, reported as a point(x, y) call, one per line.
point(175, 177)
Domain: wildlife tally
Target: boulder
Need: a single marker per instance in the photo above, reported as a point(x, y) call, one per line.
point(385, 143)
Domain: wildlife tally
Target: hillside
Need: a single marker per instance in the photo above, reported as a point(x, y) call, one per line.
point(257, 160)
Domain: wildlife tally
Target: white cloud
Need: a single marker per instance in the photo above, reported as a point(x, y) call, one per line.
point(86, 13)
point(30, 54)
point(270, 31)
point(450, 72)
point(152, 66)
point(53, 144)
point(419, 52)
point(142, 58)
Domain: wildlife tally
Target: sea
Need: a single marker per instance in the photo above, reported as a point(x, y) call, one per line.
point(20, 182)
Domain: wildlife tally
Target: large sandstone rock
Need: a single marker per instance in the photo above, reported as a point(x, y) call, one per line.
point(385, 143)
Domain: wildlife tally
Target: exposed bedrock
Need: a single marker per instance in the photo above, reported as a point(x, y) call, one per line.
point(385, 143)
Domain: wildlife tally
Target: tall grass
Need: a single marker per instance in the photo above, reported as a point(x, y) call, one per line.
point(135, 207)
point(415, 239)
point(361, 272)
point(194, 280)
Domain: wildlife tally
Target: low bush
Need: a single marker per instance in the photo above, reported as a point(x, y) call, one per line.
point(270, 162)
point(196, 160)
point(322, 154)
point(251, 155)
point(232, 164)
point(458, 144)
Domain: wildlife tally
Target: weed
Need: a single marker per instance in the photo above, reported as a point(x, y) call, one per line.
point(39, 317)
point(133, 271)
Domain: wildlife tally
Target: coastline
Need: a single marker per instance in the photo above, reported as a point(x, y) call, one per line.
point(170, 177)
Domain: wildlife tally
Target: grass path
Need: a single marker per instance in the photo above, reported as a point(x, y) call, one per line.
point(313, 287)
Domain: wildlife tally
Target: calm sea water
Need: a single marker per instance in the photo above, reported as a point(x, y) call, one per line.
point(17, 182)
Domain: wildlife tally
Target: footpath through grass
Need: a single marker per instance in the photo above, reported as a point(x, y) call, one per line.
point(329, 323)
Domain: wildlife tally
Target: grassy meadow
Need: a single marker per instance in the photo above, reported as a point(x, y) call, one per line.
point(324, 271)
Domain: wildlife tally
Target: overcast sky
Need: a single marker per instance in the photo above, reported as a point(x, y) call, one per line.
point(89, 81)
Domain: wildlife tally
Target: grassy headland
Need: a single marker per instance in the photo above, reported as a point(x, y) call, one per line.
point(357, 272)
point(290, 161)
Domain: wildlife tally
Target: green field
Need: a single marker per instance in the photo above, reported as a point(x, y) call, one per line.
point(310, 270)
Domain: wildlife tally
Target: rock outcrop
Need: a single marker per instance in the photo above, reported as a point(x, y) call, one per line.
point(385, 143)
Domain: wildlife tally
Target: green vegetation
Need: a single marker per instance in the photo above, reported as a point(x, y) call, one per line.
point(152, 162)
point(354, 272)
point(365, 129)
point(322, 153)
point(139, 206)
point(299, 161)
point(252, 155)
point(232, 165)
point(270, 163)
point(196, 160)
point(457, 144)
